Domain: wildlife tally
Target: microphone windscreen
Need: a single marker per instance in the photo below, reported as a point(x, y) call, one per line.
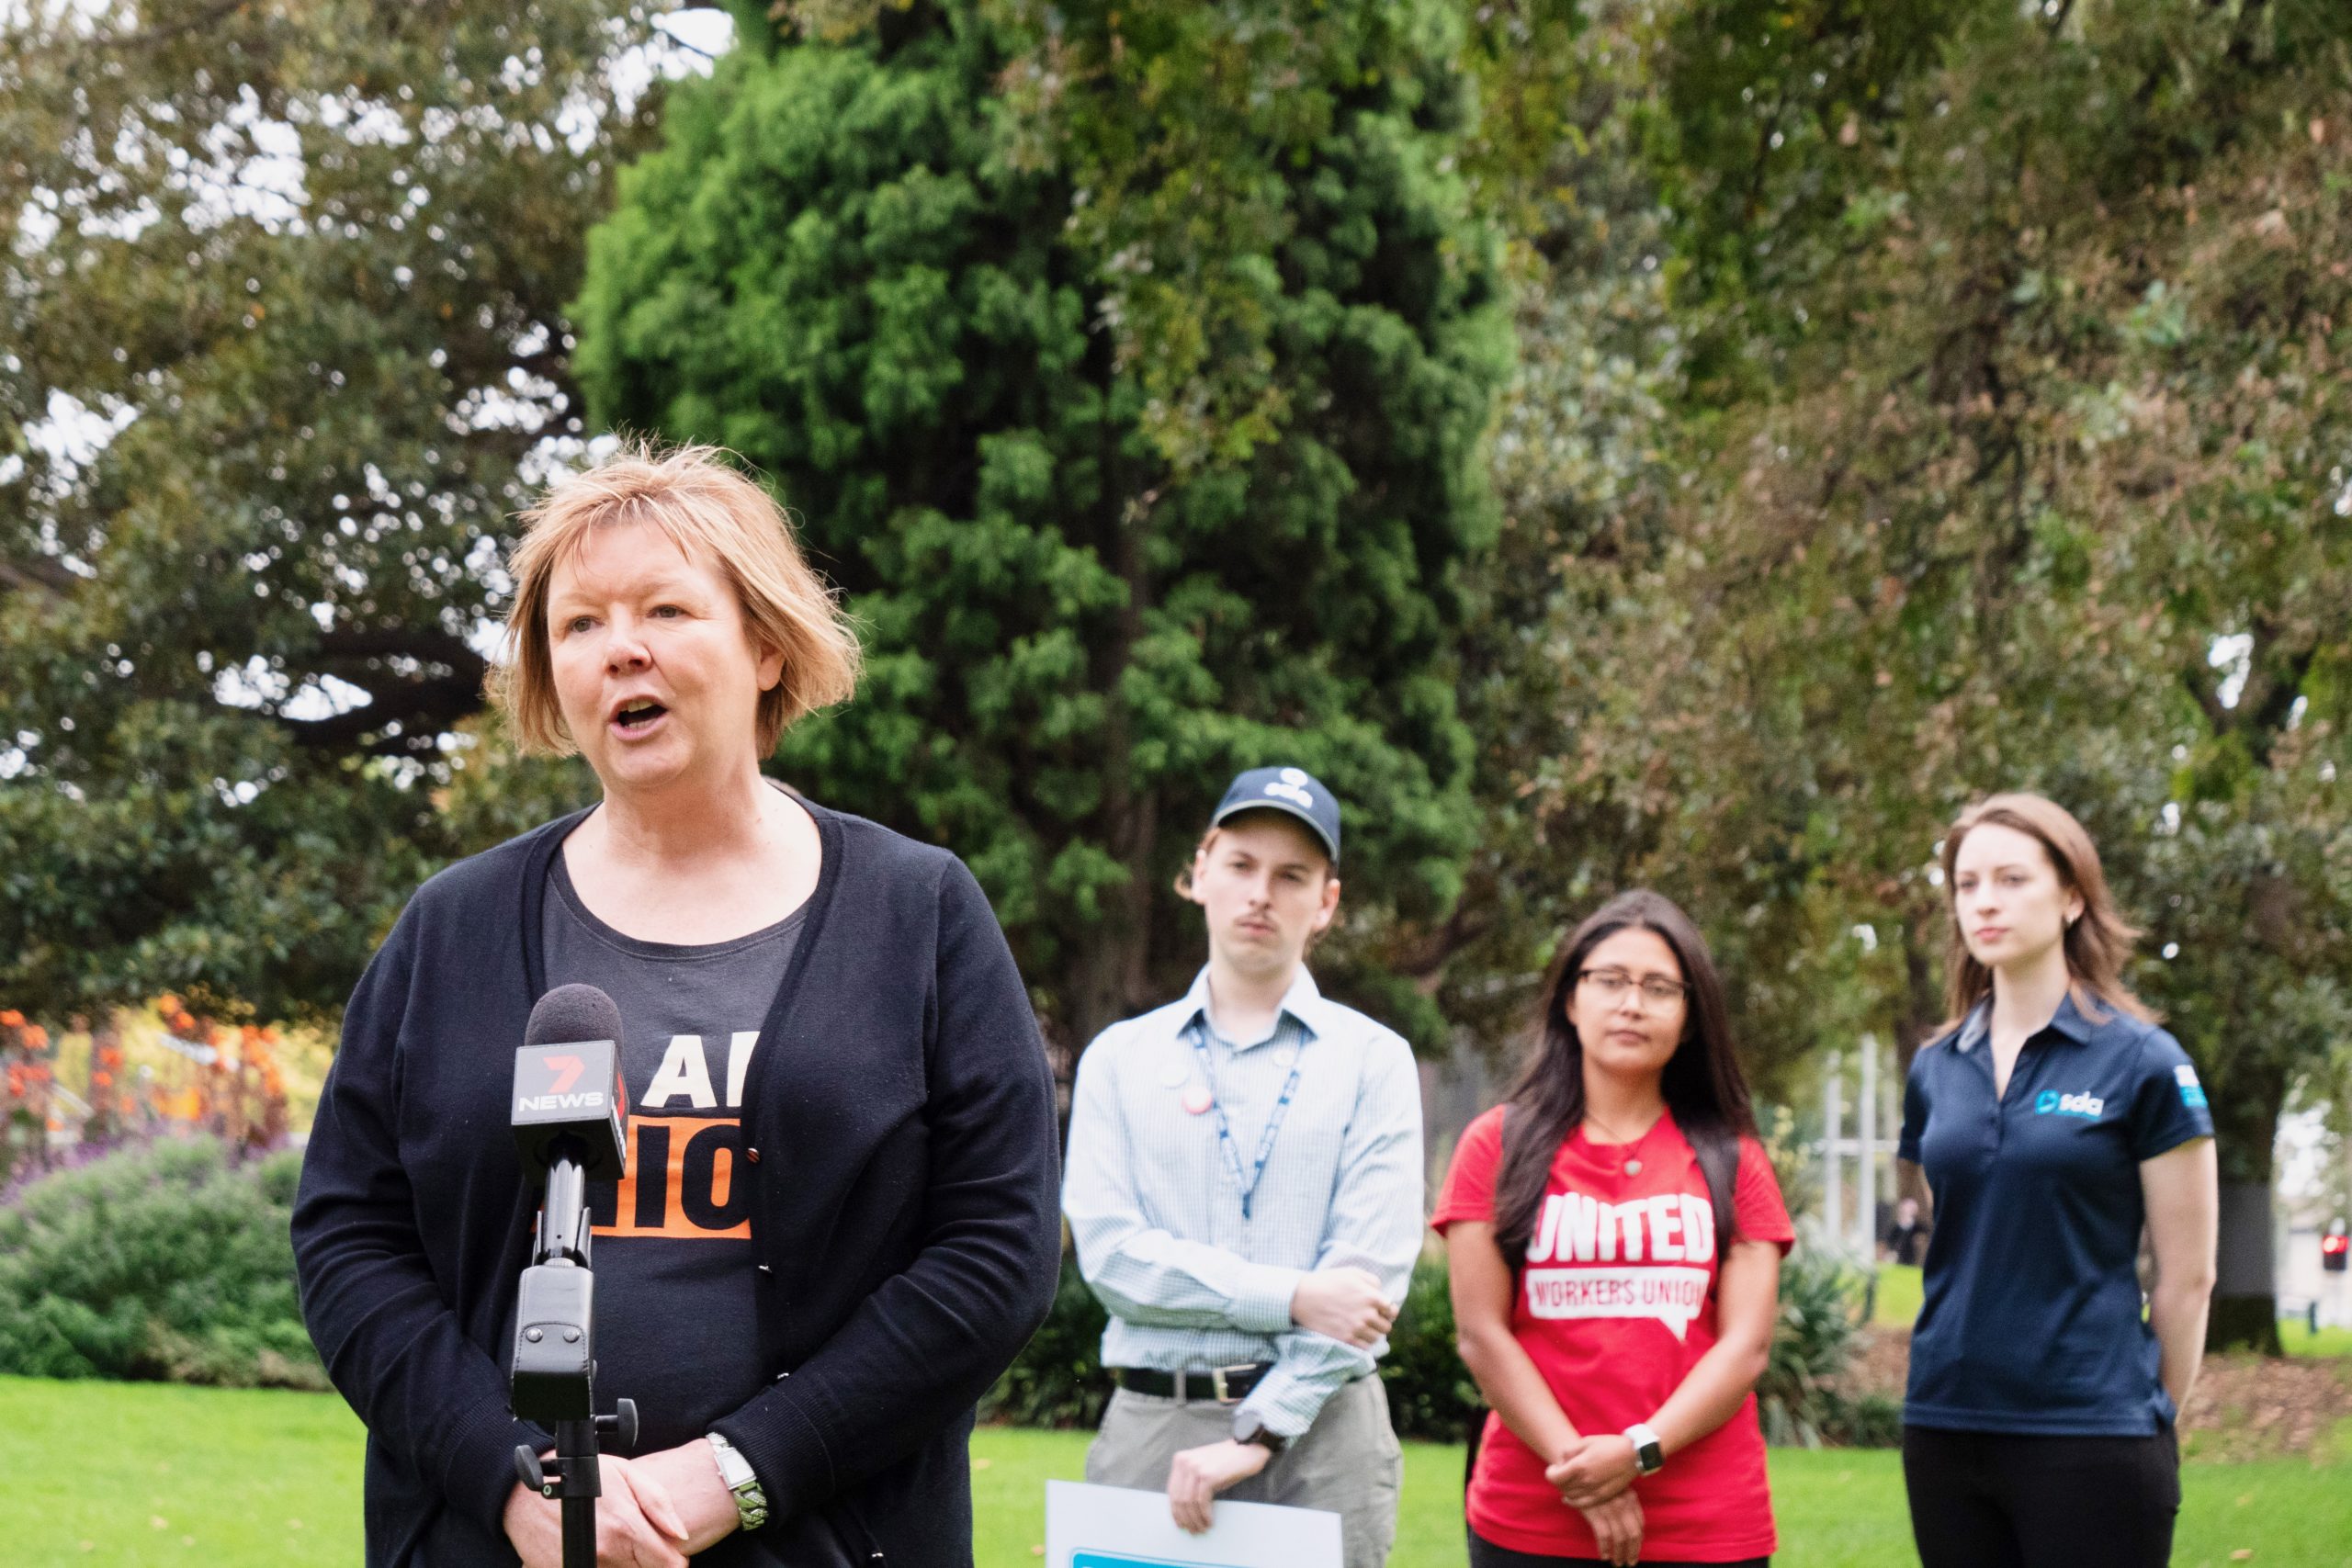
point(567, 1085)
point(570, 1013)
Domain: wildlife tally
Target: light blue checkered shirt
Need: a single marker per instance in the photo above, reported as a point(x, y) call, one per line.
point(1191, 1284)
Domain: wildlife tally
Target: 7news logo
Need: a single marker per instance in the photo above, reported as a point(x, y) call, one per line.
point(562, 1073)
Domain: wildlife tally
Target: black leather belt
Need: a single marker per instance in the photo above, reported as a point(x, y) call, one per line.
point(1226, 1386)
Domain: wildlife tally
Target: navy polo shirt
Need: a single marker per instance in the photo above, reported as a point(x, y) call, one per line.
point(2032, 1321)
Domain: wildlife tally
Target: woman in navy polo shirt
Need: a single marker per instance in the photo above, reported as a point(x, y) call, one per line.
point(2055, 1119)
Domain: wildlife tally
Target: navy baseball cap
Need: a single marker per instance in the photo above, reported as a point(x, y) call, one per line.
point(1293, 790)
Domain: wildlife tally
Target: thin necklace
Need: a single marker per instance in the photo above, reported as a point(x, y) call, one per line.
point(1633, 1148)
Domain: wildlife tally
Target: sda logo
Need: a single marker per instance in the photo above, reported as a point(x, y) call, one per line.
point(2090, 1107)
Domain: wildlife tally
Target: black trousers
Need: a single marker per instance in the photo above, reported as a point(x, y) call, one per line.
point(1485, 1553)
point(1997, 1500)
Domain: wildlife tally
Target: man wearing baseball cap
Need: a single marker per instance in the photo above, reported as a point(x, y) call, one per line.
point(1244, 1187)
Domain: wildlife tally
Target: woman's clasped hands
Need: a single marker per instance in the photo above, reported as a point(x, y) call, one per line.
point(656, 1511)
point(1595, 1476)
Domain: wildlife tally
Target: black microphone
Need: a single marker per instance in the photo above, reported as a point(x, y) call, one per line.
point(570, 1112)
point(570, 1103)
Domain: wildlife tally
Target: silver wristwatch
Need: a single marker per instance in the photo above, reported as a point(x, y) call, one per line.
point(750, 1502)
point(1648, 1452)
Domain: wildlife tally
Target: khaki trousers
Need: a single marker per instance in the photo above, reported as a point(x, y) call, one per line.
point(1348, 1462)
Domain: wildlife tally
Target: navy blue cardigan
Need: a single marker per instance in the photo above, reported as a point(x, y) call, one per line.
point(904, 1210)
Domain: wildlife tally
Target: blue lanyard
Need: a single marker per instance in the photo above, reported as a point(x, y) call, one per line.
point(1225, 1129)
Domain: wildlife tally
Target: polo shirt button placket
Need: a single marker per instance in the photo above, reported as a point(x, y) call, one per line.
point(1993, 1095)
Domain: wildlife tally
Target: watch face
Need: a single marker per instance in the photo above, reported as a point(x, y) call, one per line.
point(1251, 1430)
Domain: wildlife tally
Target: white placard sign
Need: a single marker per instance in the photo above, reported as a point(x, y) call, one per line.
point(1114, 1527)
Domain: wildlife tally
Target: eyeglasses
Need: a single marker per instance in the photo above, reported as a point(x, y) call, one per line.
point(1612, 984)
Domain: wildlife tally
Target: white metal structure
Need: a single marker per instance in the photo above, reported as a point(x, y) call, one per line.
point(1849, 1223)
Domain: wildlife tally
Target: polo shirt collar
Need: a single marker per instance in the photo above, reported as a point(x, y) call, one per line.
point(1303, 1001)
point(2067, 1021)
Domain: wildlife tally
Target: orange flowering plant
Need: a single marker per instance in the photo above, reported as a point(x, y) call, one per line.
point(27, 1074)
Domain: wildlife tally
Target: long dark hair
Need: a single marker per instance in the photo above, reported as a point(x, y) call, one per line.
point(1701, 1083)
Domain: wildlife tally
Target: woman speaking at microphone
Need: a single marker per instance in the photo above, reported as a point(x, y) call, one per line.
point(1615, 1234)
point(839, 1221)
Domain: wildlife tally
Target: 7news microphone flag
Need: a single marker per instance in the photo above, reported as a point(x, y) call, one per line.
point(569, 1112)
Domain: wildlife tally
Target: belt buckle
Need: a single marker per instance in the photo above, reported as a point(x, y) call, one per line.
point(1216, 1381)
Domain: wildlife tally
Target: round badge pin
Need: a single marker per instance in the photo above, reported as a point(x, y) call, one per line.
point(1632, 1167)
point(1196, 1100)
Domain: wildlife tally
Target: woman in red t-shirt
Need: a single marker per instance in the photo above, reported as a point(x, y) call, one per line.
point(1614, 1325)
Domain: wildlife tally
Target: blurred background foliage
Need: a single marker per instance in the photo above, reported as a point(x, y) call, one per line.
point(161, 1262)
point(1693, 442)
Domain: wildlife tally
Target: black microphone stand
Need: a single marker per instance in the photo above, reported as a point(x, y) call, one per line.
point(555, 1357)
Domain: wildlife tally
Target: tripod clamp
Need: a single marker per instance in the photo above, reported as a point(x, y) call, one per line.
point(580, 1474)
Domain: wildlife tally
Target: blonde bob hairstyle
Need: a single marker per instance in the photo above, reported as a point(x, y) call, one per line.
point(2098, 943)
point(705, 507)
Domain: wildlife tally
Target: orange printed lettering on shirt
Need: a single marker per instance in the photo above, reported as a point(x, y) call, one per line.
point(683, 1180)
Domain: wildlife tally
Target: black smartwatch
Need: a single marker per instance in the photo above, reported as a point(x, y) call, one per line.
point(1248, 1429)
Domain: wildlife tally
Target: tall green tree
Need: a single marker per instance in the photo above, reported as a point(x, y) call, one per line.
point(1991, 461)
point(281, 332)
point(1104, 552)
point(1579, 461)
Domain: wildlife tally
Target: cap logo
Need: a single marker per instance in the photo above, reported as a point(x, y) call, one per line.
point(1293, 775)
point(1286, 790)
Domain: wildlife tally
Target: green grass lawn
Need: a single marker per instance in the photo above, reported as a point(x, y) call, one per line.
point(1896, 1302)
point(139, 1474)
point(2297, 1339)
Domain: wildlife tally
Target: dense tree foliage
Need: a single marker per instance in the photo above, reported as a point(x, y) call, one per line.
point(1098, 567)
point(304, 263)
point(2008, 449)
point(1911, 399)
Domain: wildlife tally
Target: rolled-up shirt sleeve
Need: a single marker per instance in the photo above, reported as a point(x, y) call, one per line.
point(1375, 1224)
point(1142, 1272)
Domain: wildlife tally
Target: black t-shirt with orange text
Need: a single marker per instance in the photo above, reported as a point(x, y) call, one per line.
point(676, 1292)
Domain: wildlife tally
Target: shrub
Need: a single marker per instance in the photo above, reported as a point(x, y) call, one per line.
point(162, 1262)
point(1868, 1421)
point(1821, 1303)
point(1431, 1395)
point(1057, 1380)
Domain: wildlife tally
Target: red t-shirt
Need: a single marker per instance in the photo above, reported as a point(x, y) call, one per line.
point(1615, 1305)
